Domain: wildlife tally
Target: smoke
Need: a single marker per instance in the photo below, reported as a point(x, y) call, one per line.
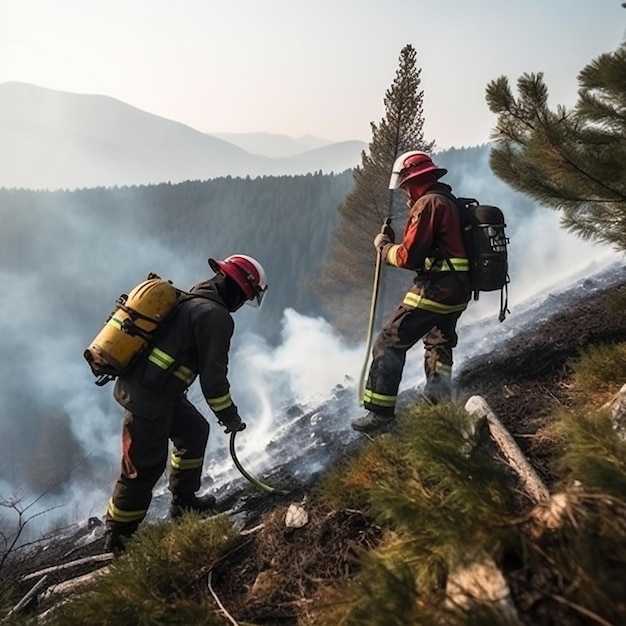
point(63, 274)
point(308, 362)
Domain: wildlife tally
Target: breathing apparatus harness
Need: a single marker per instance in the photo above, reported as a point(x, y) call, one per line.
point(128, 331)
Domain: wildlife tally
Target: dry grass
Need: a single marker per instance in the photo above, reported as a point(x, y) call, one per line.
point(159, 580)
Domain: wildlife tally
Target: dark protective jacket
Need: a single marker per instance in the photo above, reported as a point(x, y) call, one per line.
point(193, 341)
point(432, 245)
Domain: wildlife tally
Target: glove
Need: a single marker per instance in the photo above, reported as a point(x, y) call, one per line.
point(385, 236)
point(387, 230)
point(233, 424)
point(381, 240)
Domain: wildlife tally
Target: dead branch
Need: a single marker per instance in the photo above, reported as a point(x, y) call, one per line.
point(578, 608)
point(55, 568)
point(73, 584)
point(250, 531)
point(226, 614)
point(21, 506)
point(533, 485)
point(28, 597)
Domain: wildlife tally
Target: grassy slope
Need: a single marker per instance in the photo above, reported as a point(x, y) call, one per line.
point(390, 523)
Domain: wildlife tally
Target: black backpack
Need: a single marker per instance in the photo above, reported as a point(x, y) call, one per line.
point(486, 243)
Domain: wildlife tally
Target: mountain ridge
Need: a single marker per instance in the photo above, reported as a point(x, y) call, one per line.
point(274, 145)
point(62, 140)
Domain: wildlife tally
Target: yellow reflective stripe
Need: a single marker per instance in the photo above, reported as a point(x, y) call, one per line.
point(221, 403)
point(185, 374)
point(119, 515)
point(413, 301)
point(165, 361)
point(116, 323)
point(160, 359)
point(379, 399)
point(442, 265)
point(179, 463)
point(392, 255)
point(444, 370)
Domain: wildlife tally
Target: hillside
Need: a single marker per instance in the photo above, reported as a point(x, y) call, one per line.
point(524, 380)
point(58, 140)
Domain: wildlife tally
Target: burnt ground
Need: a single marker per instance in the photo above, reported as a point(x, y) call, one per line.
point(273, 576)
point(527, 377)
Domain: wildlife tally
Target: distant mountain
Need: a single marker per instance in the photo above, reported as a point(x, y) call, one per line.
point(334, 153)
point(271, 145)
point(59, 140)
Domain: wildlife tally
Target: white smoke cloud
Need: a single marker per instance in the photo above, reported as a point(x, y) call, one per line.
point(96, 260)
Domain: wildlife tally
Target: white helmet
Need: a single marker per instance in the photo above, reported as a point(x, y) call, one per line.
point(411, 165)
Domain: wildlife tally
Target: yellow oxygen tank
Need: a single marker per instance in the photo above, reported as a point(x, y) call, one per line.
point(128, 329)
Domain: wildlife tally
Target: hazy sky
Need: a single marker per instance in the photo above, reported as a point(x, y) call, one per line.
point(292, 67)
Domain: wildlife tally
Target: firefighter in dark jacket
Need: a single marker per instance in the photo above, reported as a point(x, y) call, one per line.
point(192, 342)
point(433, 247)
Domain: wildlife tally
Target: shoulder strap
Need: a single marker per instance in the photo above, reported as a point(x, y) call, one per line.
point(460, 203)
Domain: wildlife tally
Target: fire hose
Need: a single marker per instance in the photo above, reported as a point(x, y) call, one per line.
point(255, 481)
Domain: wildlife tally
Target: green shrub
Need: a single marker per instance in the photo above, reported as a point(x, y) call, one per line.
point(441, 501)
point(592, 453)
point(159, 580)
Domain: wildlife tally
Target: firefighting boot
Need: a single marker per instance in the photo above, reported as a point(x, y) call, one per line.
point(372, 422)
point(114, 542)
point(116, 536)
point(180, 505)
point(438, 390)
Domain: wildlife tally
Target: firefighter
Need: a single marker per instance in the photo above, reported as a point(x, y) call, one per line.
point(193, 341)
point(433, 247)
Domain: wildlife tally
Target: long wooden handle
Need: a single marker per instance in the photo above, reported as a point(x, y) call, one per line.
point(372, 317)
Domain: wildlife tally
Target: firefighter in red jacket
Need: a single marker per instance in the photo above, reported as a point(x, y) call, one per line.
point(194, 341)
point(433, 247)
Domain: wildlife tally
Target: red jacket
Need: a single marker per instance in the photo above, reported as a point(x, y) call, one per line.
point(433, 220)
point(432, 235)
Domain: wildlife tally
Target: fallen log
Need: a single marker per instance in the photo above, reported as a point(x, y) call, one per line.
point(69, 565)
point(73, 584)
point(531, 482)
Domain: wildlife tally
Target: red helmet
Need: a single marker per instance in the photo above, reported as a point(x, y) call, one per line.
point(411, 165)
point(247, 272)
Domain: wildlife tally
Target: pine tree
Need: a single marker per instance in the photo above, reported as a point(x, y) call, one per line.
point(346, 278)
point(570, 160)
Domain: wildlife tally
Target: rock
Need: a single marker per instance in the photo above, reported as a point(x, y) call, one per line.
point(296, 516)
point(482, 582)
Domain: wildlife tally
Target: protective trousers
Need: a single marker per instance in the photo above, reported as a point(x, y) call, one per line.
point(401, 332)
point(145, 444)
